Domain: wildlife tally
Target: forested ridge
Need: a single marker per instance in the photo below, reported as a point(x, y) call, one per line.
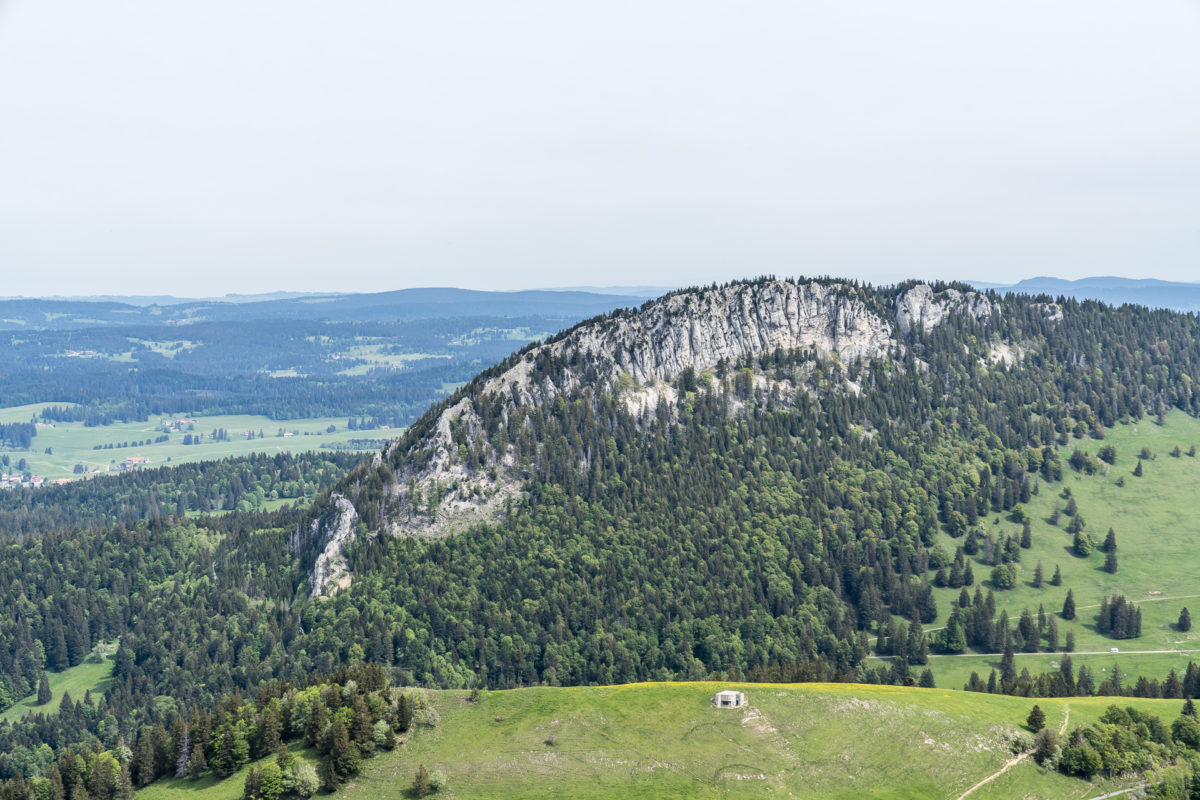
point(777, 516)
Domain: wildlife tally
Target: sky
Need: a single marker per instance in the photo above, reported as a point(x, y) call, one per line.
point(201, 148)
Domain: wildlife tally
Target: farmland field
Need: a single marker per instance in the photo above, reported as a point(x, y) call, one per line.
point(105, 448)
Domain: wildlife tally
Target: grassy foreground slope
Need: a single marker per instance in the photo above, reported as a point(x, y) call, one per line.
point(666, 740)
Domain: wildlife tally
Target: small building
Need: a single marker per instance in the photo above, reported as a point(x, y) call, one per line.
point(729, 699)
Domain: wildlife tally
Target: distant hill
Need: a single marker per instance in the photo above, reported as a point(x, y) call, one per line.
point(1150, 292)
point(396, 306)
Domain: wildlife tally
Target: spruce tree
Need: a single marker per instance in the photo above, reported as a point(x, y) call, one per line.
point(1038, 580)
point(404, 712)
point(43, 690)
point(342, 754)
point(1037, 719)
point(197, 764)
point(250, 789)
point(329, 778)
point(1137, 471)
point(1068, 610)
point(420, 787)
point(1110, 562)
point(1057, 579)
point(271, 728)
point(1184, 623)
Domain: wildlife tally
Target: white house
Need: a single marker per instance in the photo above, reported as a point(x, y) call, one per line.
point(729, 699)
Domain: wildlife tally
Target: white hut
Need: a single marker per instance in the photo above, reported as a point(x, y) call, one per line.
point(729, 699)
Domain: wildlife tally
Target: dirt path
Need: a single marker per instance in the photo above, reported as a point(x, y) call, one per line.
point(1123, 791)
point(1012, 762)
point(1018, 758)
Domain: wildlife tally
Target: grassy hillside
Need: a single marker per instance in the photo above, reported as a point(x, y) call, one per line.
point(91, 676)
point(209, 788)
point(1158, 558)
point(666, 740)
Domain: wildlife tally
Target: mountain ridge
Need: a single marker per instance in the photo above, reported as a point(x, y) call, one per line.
point(635, 354)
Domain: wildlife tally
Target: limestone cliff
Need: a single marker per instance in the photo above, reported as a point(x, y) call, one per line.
point(432, 489)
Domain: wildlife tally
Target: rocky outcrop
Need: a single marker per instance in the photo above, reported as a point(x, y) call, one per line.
point(434, 492)
point(330, 571)
point(921, 306)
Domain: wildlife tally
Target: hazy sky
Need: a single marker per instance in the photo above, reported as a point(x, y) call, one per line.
point(209, 147)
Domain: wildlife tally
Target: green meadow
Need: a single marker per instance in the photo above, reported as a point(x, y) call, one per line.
point(1158, 549)
point(92, 675)
point(668, 741)
point(72, 443)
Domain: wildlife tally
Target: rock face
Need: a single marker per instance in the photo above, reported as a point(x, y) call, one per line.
point(921, 306)
point(434, 493)
point(329, 572)
point(699, 330)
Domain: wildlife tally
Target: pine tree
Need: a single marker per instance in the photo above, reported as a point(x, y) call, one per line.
point(197, 764)
point(420, 787)
point(1172, 688)
point(252, 786)
point(143, 760)
point(1051, 634)
point(318, 719)
point(1008, 668)
point(1110, 562)
point(1184, 623)
point(404, 712)
point(1057, 579)
point(1110, 542)
point(271, 729)
point(1082, 544)
point(43, 690)
point(1137, 471)
point(329, 778)
point(1189, 708)
point(1068, 610)
point(341, 752)
point(1037, 719)
point(1038, 580)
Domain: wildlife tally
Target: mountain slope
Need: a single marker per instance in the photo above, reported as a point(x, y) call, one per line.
point(635, 356)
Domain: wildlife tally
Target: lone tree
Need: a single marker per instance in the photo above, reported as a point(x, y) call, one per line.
point(1110, 562)
point(421, 787)
point(43, 693)
point(1137, 471)
point(1068, 611)
point(1057, 579)
point(1184, 624)
point(1110, 542)
point(1037, 719)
